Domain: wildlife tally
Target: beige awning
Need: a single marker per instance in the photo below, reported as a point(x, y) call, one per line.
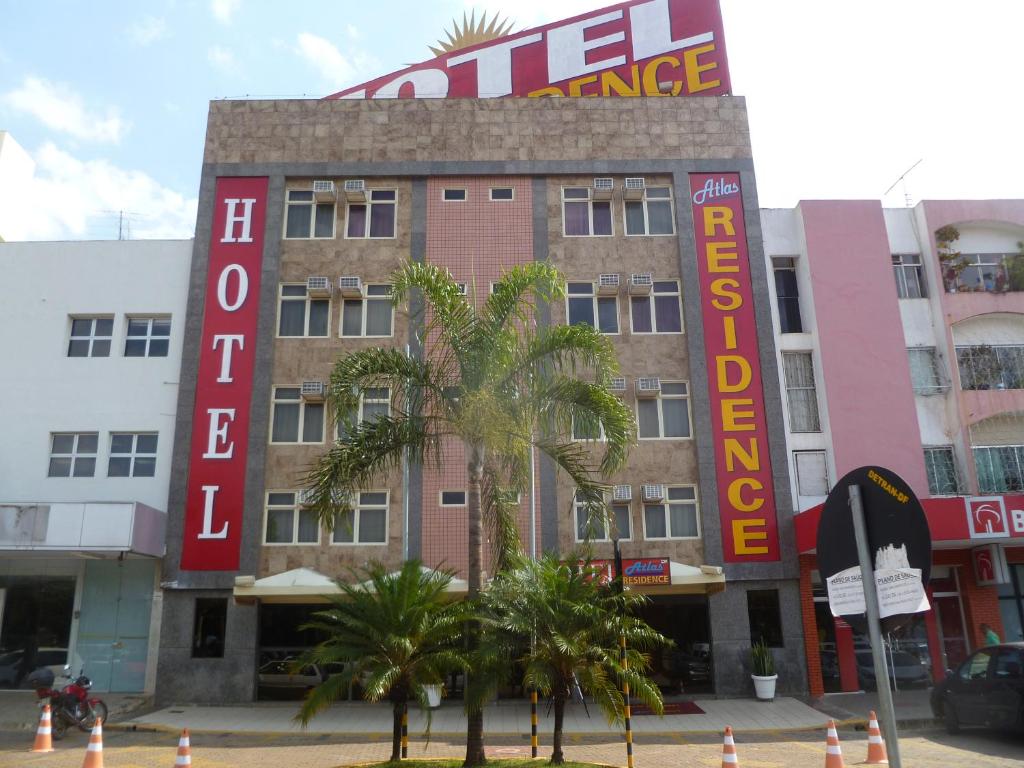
point(688, 580)
point(304, 585)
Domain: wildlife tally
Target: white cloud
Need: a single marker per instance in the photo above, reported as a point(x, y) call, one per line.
point(337, 70)
point(222, 59)
point(223, 10)
point(60, 108)
point(147, 30)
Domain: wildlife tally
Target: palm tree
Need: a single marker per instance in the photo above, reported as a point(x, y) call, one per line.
point(564, 628)
point(494, 379)
point(396, 632)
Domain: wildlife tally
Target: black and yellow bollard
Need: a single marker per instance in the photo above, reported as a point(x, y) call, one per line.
point(625, 695)
point(533, 723)
point(405, 731)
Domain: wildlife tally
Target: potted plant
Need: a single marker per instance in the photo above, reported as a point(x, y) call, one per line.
point(952, 261)
point(764, 676)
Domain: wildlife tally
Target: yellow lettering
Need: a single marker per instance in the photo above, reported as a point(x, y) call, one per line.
point(576, 86)
point(722, 363)
point(610, 81)
point(732, 413)
point(748, 458)
point(716, 257)
point(718, 288)
point(693, 67)
point(553, 90)
point(718, 216)
point(651, 77)
point(730, 331)
point(741, 536)
point(736, 494)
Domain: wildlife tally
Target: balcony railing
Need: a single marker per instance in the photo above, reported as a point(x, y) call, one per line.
point(991, 367)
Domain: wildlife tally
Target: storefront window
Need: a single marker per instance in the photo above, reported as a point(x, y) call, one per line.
point(1011, 605)
point(36, 625)
point(765, 618)
point(209, 628)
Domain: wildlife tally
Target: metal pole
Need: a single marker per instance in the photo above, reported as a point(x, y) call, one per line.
point(622, 658)
point(888, 718)
point(405, 731)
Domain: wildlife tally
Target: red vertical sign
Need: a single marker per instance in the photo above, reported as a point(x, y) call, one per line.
point(220, 423)
point(746, 495)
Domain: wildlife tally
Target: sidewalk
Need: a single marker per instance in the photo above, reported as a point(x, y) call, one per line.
point(913, 707)
point(19, 710)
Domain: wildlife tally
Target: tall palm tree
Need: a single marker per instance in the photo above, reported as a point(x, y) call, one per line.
point(563, 627)
point(494, 379)
point(396, 632)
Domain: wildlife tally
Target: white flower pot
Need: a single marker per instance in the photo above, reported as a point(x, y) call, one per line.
point(764, 687)
point(433, 695)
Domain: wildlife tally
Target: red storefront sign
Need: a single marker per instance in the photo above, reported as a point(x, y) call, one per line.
point(746, 496)
point(220, 422)
point(638, 48)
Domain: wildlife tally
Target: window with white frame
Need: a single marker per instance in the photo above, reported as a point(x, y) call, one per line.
point(147, 337)
point(584, 306)
point(73, 454)
point(502, 194)
point(652, 215)
point(454, 195)
point(371, 315)
point(940, 465)
point(787, 294)
point(90, 336)
point(909, 278)
point(366, 522)
point(305, 218)
point(675, 517)
point(583, 217)
point(375, 217)
point(132, 454)
point(300, 315)
point(924, 371)
point(667, 415)
point(659, 312)
point(811, 468)
point(800, 392)
point(288, 522)
point(293, 420)
point(373, 403)
point(597, 529)
point(583, 429)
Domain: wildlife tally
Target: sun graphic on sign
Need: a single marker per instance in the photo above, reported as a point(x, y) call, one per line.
point(472, 32)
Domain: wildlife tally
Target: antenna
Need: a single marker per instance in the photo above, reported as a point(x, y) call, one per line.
point(903, 178)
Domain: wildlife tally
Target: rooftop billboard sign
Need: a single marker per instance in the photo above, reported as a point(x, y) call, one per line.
point(637, 48)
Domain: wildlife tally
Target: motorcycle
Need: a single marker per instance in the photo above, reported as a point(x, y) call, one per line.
point(71, 705)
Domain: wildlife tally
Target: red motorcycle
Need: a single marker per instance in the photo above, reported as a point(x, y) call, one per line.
point(71, 705)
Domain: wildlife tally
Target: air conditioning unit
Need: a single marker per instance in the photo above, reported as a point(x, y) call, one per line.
point(313, 391)
point(355, 190)
point(304, 498)
point(319, 287)
point(648, 386)
point(324, 191)
point(654, 492)
point(633, 189)
point(350, 287)
point(608, 284)
point(618, 385)
point(640, 284)
point(603, 187)
point(622, 493)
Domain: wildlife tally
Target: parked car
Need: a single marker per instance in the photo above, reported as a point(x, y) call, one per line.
point(904, 668)
point(53, 659)
point(987, 689)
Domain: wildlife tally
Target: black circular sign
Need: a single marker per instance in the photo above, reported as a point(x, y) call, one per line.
point(896, 527)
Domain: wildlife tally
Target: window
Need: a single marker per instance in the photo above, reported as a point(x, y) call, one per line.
point(976, 667)
point(73, 454)
point(765, 617)
point(811, 473)
point(147, 337)
point(987, 272)
point(1000, 468)
point(454, 195)
point(597, 530)
point(305, 218)
point(583, 217)
point(288, 523)
point(909, 282)
point(90, 336)
point(665, 416)
point(209, 627)
point(1008, 664)
point(582, 429)
point(787, 295)
point(661, 312)
point(453, 498)
point(587, 308)
point(299, 315)
point(991, 367)
point(295, 421)
point(501, 193)
point(132, 455)
point(379, 210)
point(674, 518)
point(924, 371)
point(366, 522)
point(652, 215)
point(371, 315)
point(374, 402)
point(800, 392)
point(940, 464)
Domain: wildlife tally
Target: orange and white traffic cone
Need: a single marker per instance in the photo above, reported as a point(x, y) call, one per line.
point(833, 754)
point(94, 752)
point(876, 746)
point(184, 750)
point(44, 740)
point(729, 759)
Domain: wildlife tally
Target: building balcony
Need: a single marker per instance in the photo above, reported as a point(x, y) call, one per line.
point(89, 528)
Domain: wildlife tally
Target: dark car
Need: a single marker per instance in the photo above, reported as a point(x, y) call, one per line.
point(905, 669)
point(986, 689)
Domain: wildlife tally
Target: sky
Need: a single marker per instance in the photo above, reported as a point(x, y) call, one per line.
point(110, 98)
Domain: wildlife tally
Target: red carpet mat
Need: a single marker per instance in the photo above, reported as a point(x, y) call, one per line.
point(671, 708)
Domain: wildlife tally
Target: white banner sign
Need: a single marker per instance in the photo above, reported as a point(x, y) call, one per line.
point(899, 591)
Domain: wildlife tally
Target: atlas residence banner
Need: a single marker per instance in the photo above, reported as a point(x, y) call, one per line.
point(220, 423)
point(645, 571)
point(746, 494)
point(639, 48)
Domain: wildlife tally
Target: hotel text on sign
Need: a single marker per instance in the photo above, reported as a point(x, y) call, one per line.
point(220, 423)
point(746, 494)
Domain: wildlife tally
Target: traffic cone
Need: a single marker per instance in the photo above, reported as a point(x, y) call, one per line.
point(44, 741)
point(94, 752)
point(876, 746)
point(184, 750)
point(833, 754)
point(729, 759)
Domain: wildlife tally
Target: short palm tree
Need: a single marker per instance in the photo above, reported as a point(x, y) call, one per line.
point(396, 632)
point(563, 627)
point(494, 379)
